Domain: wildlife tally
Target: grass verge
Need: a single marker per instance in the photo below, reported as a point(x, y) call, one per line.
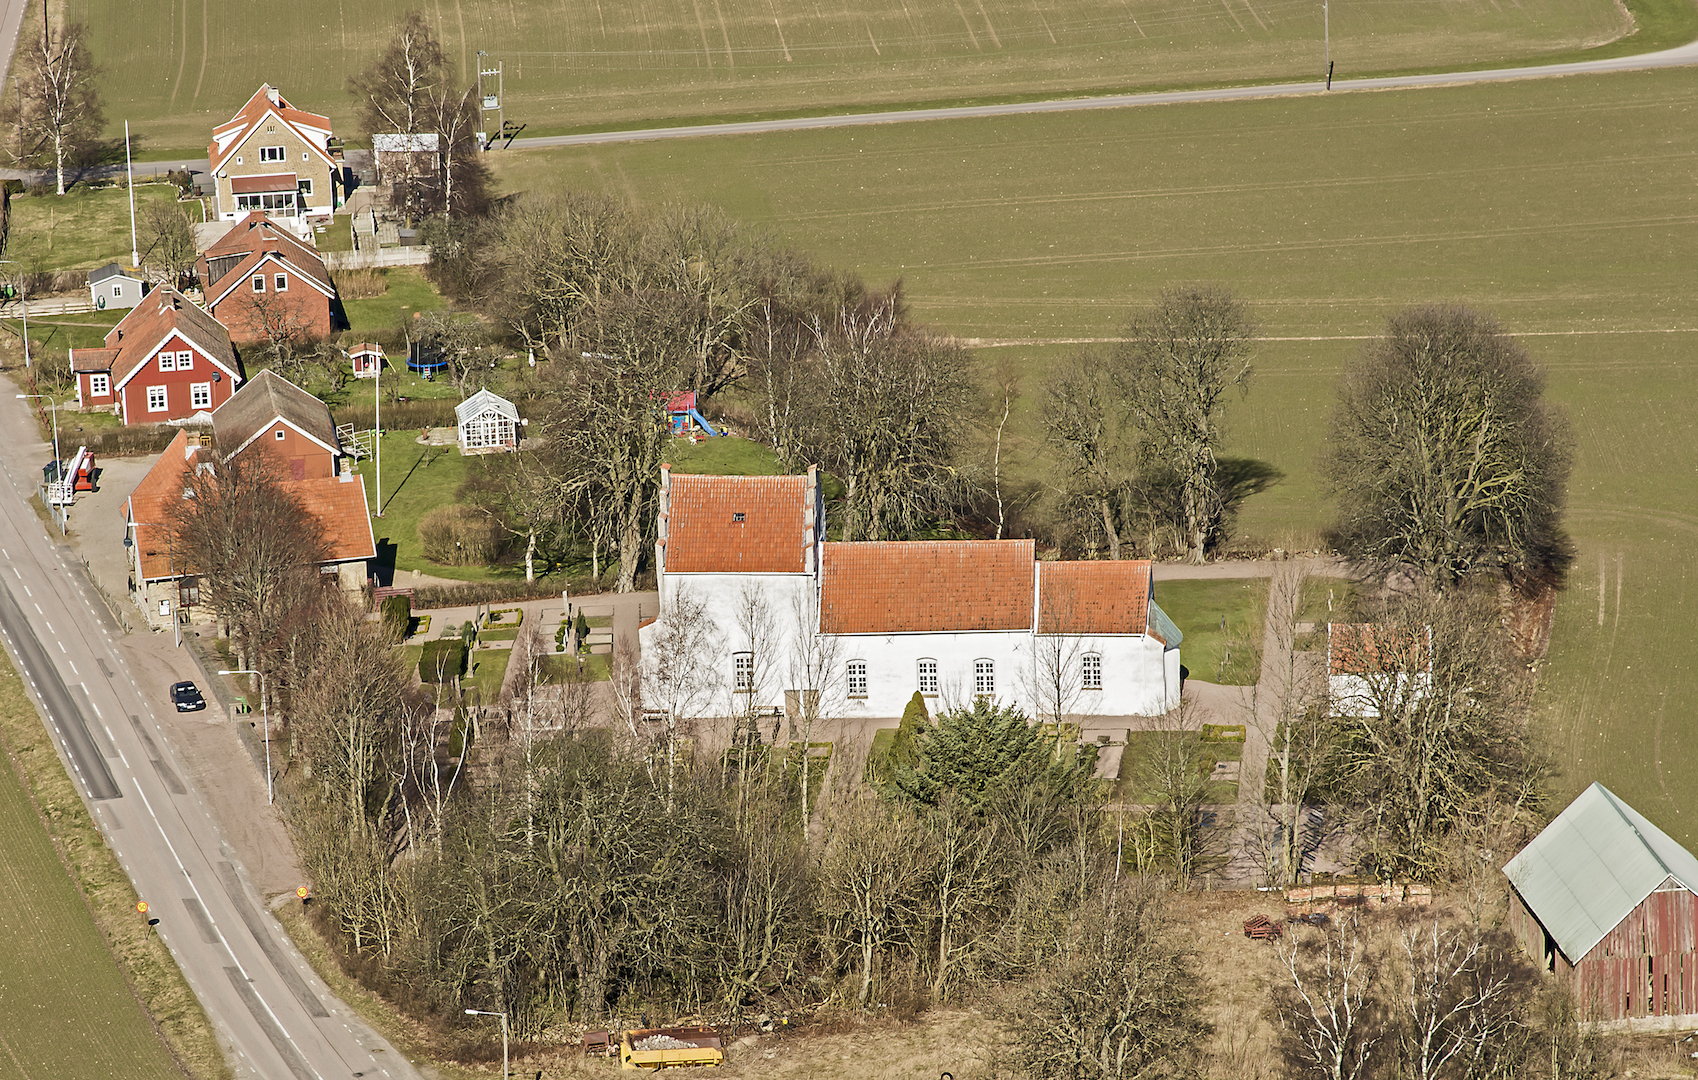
point(74, 937)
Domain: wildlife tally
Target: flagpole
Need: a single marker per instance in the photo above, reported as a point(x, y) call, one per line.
point(130, 182)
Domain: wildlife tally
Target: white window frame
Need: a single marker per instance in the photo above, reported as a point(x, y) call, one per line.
point(99, 385)
point(1091, 671)
point(164, 399)
point(273, 153)
point(117, 292)
point(279, 435)
point(279, 282)
point(743, 672)
point(258, 283)
point(926, 681)
point(167, 361)
point(984, 677)
point(304, 184)
point(200, 395)
point(185, 360)
point(855, 678)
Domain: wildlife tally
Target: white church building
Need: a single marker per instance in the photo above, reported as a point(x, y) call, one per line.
point(866, 624)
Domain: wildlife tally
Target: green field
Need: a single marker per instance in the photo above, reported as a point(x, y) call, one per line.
point(65, 1007)
point(1562, 205)
point(81, 230)
point(177, 70)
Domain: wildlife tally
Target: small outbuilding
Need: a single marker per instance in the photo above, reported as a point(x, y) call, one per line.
point(1606, 901)
point(488, 423)
point(367, 359)
point(113, 286)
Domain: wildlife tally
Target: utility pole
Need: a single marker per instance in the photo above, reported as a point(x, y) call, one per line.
point(488, 102)
point(1326, 39)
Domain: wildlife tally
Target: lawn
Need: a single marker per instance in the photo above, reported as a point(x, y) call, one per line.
point(1222, 623)
point(1142, 746)
point(488, 671)
point(416, 480)
point(67, 1008)
point(724, 456)
point(559, 668)
point(83, 229)
point(1562, 205)
point(85, 331)
point(578, 63)
point(409, 292)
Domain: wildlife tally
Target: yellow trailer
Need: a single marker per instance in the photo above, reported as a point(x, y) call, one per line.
point(668, 1048)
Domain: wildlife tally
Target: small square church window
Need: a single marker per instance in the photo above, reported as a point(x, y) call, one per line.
point(738, 516)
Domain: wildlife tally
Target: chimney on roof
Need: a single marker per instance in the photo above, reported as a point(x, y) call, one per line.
point(177, 302)
point(271, 93)
point(120, 333)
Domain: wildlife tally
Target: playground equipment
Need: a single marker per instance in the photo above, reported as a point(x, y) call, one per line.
point(682, 415)
point(425, 364)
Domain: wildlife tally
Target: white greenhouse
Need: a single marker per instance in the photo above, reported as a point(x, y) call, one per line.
point(488, 422)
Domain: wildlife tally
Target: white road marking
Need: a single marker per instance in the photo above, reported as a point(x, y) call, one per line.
point(38, 610)
point(27, 592)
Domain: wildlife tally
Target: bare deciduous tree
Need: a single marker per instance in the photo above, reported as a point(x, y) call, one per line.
point(1330, 1023)
point(169, 251)
point(56, 111)
point(873, 882)
point(1120, 1000)
point(681, 669)
point(1087, 419)
point(1461, 996)
point(1182, 359)
point(1444, 454)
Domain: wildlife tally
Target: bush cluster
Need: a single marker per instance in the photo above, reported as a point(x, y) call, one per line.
point(457, 535)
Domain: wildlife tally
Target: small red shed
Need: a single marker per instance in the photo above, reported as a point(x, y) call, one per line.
point(1605, 899)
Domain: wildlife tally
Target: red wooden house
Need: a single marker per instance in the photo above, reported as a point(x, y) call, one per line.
point(1605, 900)
point(167, 360)
point(264, 284)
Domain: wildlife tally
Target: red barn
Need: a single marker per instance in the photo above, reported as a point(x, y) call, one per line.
point(1605, 899)
point(265, 284)
point(167, 360)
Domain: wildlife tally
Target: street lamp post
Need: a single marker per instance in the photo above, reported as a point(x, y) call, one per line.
point(485, 1012)
point(58, 463)
point(265, 718)
point(23, 305)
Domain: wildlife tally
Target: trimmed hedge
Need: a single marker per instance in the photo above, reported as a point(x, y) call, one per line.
point(442, 660)
point(482, 592)
point(397, 616)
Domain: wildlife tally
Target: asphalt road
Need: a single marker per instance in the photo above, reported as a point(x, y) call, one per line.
point(275, 1018)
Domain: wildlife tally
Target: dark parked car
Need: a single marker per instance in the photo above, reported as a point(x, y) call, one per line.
point(187, 697)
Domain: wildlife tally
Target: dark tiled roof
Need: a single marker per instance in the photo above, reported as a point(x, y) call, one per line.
point(148, 323)
point(926, 585)
point(93, 359)
point(263, 400)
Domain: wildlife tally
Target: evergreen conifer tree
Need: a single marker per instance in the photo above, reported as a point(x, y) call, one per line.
point(905, 751)
point(981, 752)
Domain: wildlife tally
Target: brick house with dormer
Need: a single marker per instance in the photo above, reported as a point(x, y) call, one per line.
point(277, 159)
point(261, 281)
point(166, 360)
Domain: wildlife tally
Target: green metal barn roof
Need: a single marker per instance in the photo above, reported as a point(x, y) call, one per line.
point(1592, 866)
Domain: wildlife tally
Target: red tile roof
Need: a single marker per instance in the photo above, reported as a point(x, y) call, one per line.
point(340, 508)
point(926, 585)
point(1365, 648)
point(1094, 597)
point(147, 508)
point(738, 524)
point(256, 109)
point(257, 185)
point(256, 238)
